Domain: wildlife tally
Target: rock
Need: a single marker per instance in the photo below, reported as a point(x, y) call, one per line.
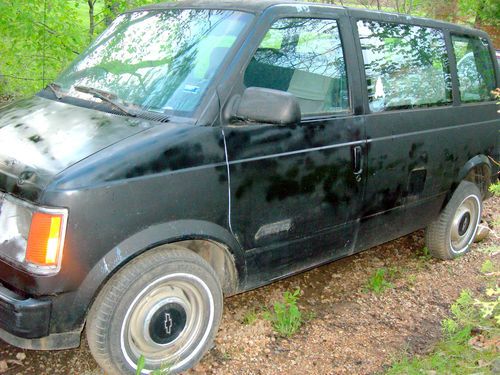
point(21, 356)
point(495, 367)
point(482, 231)
point(3, 366)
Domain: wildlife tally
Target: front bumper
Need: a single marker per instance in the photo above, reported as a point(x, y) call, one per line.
point(25, 323)
point(24, 317)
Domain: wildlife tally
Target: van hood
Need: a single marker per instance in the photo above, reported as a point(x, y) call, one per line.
point(39, 138)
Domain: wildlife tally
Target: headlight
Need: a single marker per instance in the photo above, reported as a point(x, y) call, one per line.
point(31, 237)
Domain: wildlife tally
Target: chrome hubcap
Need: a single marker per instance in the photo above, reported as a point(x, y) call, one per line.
point(167, 323)
point(464, 224)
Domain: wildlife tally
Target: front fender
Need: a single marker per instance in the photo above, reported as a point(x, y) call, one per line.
point(144, 240)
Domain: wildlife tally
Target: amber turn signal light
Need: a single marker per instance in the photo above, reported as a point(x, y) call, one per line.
point(45, 239)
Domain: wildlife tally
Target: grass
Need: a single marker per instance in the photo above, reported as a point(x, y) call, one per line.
point(424, 254)
point(489, 250)
point(487, 266)
point(285, 316)
point(469, 339)
point(411, 279)
point(250, 317)
point(378, 281)
point(495, 223)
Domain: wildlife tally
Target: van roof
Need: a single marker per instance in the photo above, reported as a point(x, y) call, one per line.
point(259, 6)
point(255, 6)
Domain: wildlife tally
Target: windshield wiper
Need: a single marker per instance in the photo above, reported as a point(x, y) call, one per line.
point(105, 96)
point(56, 89)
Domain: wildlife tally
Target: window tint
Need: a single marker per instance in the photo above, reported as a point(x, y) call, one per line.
point(303, 57)
point(406, 66)
point(475, 68)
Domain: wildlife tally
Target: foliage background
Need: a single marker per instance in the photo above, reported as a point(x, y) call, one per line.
point(40, 37)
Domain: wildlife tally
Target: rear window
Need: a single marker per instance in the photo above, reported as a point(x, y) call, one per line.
point(406, 66)
point(476, 76)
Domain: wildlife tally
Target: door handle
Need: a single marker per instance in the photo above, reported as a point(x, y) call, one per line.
point(357, 160)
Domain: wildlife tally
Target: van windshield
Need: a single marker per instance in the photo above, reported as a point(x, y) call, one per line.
point(161, 61)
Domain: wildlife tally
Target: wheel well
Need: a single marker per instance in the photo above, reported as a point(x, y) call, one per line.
point(219, 257)
point(480, 175)
point(216, 254)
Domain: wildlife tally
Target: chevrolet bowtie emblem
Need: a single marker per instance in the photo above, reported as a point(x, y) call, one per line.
point(168, 323)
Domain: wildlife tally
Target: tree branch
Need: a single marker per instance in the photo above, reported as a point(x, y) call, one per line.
point(23, 78)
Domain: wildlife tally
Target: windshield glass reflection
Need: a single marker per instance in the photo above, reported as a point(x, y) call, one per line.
point(160, 61)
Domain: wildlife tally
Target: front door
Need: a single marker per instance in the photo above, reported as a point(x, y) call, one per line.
point(296, 191)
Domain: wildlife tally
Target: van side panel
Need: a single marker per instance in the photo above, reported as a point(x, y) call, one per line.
point(415, 155)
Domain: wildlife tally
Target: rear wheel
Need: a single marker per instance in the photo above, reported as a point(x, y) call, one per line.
point(165, 305)
point(452, 233)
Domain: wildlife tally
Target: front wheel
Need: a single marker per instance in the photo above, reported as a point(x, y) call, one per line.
point(453, 232)
point(165, 306)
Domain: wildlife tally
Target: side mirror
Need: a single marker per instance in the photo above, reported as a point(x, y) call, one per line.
point(268, 106)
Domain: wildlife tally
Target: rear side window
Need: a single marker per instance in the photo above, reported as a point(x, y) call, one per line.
point(304, 57)
point(475, 68)
point(406, 66)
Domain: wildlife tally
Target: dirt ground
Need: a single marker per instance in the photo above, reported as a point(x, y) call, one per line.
point(349, 329)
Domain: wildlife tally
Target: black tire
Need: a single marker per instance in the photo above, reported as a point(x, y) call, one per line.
point(165, 304)
point(453, 232)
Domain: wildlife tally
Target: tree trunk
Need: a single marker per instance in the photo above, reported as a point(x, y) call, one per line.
point(91, 18)
point(478, 21)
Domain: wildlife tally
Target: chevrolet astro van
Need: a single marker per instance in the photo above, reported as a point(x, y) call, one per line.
point(200, 149)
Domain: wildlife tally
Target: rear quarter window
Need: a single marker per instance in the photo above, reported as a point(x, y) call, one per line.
point(476, 75)
point(406, 66)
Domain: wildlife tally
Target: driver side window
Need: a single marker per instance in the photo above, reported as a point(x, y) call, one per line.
point(305, 58)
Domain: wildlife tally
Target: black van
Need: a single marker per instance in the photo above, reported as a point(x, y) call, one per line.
point(200, 149)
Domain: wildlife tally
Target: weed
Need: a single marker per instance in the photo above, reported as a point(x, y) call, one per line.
point(140, 365)
point(487, 266)
point(286, 317)
point(490, 309)
point(424, 254)
point(377, 282)
point(412, 279)
point(227, 356)
point(393, 272)
point(163, 370)
point(455, 354)
point(250, 317)
point(489, 250)
point(495, 189)
point(495, 223)
point(462, 316)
